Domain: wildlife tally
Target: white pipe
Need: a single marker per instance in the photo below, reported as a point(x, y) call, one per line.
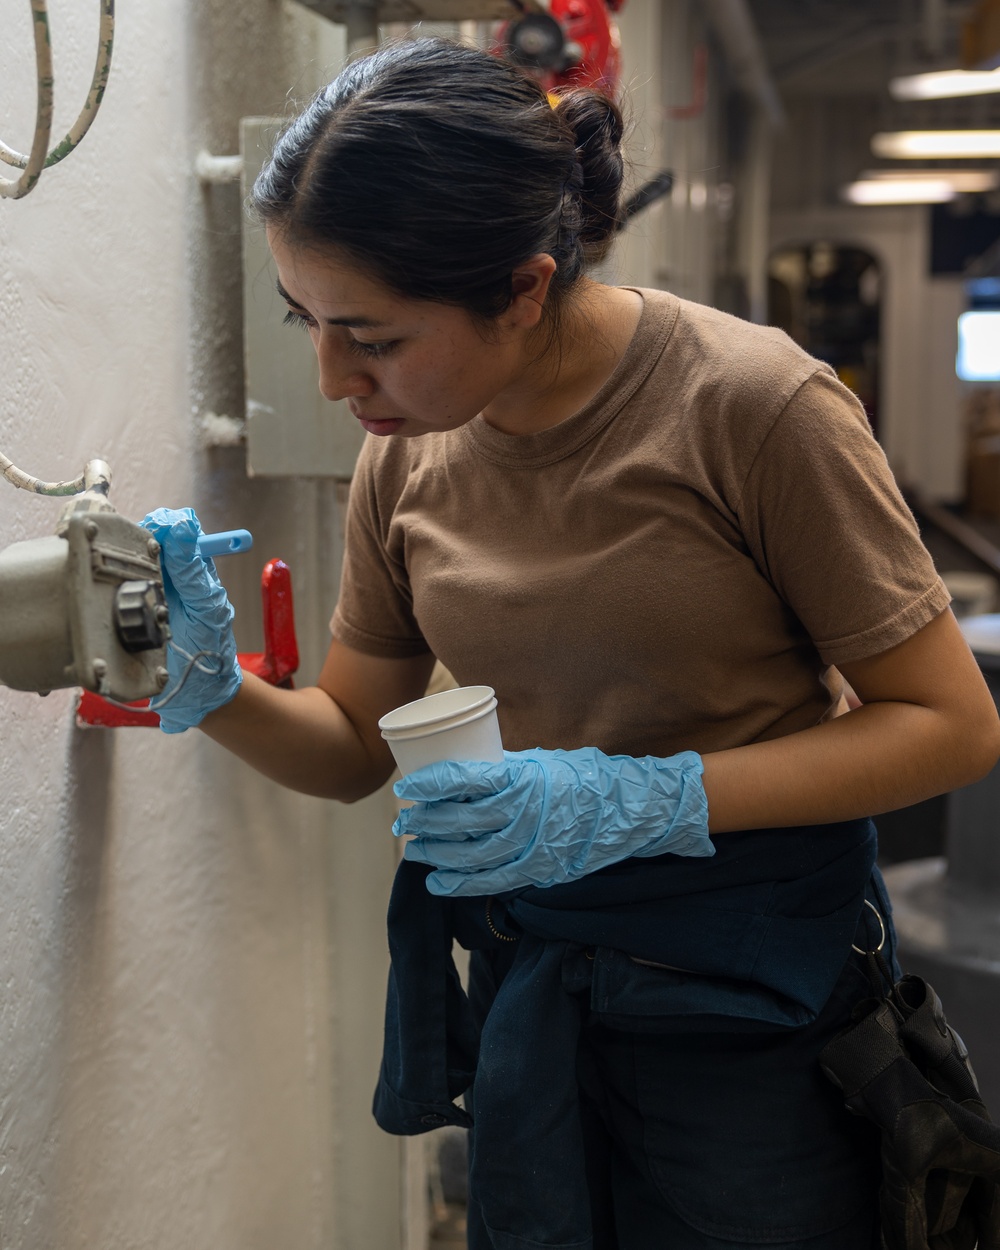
point(742, 49)
point(43, 55)
point(34, 162)
point(96, 474)
point(211, 168)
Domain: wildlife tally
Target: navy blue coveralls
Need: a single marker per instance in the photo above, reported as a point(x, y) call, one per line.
point(638, 1049)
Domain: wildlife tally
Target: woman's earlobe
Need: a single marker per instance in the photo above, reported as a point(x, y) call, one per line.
point(525, 312)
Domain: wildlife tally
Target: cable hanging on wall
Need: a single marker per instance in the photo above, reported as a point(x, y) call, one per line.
point(95, 473)
point(40, 157)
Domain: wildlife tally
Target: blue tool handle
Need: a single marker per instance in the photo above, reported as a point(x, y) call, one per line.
point(226, 542)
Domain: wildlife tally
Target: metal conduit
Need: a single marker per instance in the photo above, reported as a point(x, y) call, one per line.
point(39, 157)
point(742, 49)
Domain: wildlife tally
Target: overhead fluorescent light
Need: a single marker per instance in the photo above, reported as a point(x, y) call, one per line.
point(890, 191)
point(937, 144)
point(945, 84)
point(965, 180)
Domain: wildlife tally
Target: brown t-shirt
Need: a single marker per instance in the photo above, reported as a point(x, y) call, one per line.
point(674, 567)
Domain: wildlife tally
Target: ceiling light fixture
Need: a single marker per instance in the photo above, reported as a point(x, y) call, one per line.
point(945, 84)
point(890, 191)
point(937, 144)
point(965, 180)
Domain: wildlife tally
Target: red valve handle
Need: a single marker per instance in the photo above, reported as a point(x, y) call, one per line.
point(280, 657)
point(275, 664)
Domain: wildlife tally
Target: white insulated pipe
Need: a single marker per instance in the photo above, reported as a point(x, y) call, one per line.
point(218, 169)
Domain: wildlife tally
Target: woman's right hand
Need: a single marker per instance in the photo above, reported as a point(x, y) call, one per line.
point(201, 656)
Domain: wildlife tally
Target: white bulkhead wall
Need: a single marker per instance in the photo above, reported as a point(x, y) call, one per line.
point(673, 123)
point(193, 960)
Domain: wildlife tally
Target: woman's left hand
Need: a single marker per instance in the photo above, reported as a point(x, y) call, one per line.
point(201, 658)
point(545, 817)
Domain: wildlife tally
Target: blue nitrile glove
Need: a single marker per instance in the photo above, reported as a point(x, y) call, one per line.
point(545, 817)
point(200, 621)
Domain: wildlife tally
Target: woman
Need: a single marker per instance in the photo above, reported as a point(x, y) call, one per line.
point(666, 537)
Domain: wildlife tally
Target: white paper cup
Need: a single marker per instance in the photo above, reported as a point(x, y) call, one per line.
point(453, 725)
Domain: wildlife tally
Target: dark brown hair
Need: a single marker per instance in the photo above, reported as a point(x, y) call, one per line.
point(438, 168)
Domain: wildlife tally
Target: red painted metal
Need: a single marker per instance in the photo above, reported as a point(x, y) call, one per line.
point(588, 25)
point(275, 664)
point(94, 712)
point(280, 657)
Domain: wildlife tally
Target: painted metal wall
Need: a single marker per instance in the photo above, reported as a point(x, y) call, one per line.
point(192, 959)
point(674, 123)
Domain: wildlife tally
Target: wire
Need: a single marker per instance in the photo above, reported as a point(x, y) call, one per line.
point(35, 161)
point(39, 157)
point(96, 476)
point(193, 663)
point(17, 477)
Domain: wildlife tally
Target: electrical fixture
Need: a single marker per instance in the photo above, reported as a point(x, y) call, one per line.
point(83, 606)
point(945, 84)
point(937, 144)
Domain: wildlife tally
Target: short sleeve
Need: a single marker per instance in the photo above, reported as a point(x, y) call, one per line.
point(374, 612)
point(828, 526)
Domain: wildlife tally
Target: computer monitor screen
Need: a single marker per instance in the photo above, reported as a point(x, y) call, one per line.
point(978, 358)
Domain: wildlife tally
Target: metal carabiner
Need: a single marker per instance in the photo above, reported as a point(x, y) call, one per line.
point(881, 925)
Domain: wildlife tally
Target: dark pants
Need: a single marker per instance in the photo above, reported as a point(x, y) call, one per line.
point(706, 1138)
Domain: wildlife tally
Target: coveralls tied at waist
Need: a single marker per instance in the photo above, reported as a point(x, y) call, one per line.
point(752, 939)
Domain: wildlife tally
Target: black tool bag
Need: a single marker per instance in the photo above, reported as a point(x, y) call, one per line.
point(902, 1066)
